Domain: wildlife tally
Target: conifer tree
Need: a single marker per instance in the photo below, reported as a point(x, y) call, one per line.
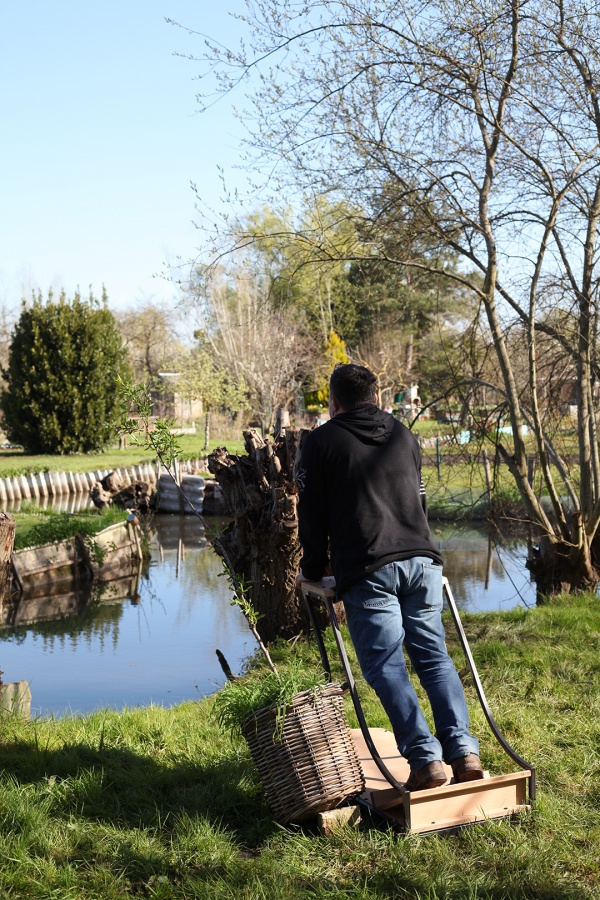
point(61, 377)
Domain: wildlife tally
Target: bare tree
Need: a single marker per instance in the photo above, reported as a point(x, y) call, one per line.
point(260, 346)
point(479, 122)
point(8, 319)
point(151, 338)
point(387, 356)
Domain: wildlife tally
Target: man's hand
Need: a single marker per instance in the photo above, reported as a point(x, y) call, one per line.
point(300, 579)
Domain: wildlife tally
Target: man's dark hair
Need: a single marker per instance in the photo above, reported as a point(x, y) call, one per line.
point(353, 385)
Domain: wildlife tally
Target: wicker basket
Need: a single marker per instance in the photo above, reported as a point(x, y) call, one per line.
point(312, 765)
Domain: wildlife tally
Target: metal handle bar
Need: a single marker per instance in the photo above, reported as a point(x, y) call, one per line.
point(325, 591)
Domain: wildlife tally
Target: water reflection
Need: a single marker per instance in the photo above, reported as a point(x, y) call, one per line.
point(485, 572)
point(150, 635)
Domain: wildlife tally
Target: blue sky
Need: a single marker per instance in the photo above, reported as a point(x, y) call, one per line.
point(101, 139)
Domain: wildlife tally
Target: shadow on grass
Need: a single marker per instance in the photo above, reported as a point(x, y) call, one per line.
point(120, 787)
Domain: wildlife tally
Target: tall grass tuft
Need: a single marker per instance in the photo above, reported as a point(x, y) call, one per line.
point(60, 526)
point(239, 699)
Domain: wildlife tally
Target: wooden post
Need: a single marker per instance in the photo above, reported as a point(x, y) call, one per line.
point(206, 430)
point(10, 495)
point(7, 539)
point(24, 485)
point(531, 467)
point(41, 485)
point(488, 476)
point(16, 698)
point(16, 490)
point(33, 487)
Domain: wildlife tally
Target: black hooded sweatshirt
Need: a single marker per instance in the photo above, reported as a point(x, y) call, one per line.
point(361, 497)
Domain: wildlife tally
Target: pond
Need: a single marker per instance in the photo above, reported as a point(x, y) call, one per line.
point(151, 636)
point(486, 573)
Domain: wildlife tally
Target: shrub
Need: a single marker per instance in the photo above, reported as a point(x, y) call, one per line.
point(64, 359)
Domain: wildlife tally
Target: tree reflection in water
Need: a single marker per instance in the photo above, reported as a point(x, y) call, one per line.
point(151, 635)
point(148, 636)
point(486, 572)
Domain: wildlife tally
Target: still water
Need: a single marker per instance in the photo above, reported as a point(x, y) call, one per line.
point(485, 572)
point(144, 639)
point(151, 636)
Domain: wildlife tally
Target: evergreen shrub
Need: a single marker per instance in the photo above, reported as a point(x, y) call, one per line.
point(61, 378)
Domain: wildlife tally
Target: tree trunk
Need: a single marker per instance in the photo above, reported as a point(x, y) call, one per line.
point(7, 539)
point(206, 429)
point(560, 567)
point(262, 541)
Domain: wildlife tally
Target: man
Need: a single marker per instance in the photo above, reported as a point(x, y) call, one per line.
point(362, 502)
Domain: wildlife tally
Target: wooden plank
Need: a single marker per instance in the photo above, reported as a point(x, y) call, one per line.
point(473, 801)
point(386, 746)
point(449, 806)
point(68, 559)
point(47, 557)
point(114, 545)
point(16, 697)
point(114, 536)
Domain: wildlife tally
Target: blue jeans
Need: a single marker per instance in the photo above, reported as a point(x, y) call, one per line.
point(401, 604)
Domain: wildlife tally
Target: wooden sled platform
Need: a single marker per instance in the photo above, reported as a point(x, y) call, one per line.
point(444, 808)
point(448, 807)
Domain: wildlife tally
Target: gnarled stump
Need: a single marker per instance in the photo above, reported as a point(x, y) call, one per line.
point(261, 544)
point(561, 566)
point(7, 540)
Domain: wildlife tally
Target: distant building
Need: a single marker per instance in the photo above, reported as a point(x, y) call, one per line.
point(169, 403)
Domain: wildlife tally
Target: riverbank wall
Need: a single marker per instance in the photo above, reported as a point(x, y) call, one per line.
point(47, 485)
point(81, 557)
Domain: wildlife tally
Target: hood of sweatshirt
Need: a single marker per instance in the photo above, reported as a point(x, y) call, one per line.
point(368, 423)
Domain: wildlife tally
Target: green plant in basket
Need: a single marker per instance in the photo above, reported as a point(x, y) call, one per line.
point(294, 724)
point(242, 698)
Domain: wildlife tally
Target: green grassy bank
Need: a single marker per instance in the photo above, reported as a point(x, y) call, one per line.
point(15, 462)
point(36, 525)
point(160, 803)
point(455, 490)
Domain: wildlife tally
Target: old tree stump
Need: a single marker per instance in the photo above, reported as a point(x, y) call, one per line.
point(7, 540)
point(261, 543)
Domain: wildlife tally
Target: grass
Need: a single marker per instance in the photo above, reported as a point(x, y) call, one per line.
point(41, 526)
point(37, 526)
point(15, 462)
point(241, 698)
point(162, 803)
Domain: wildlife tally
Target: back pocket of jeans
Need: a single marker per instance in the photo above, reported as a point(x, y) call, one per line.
point(431, 586)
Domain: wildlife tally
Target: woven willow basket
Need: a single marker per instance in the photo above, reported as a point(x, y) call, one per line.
point(312, 765)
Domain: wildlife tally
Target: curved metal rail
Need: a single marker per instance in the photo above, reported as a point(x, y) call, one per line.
point(480, 692)
point(325, 591)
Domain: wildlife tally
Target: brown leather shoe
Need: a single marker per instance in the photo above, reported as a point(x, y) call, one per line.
point(430, 776)
point(467, 768)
